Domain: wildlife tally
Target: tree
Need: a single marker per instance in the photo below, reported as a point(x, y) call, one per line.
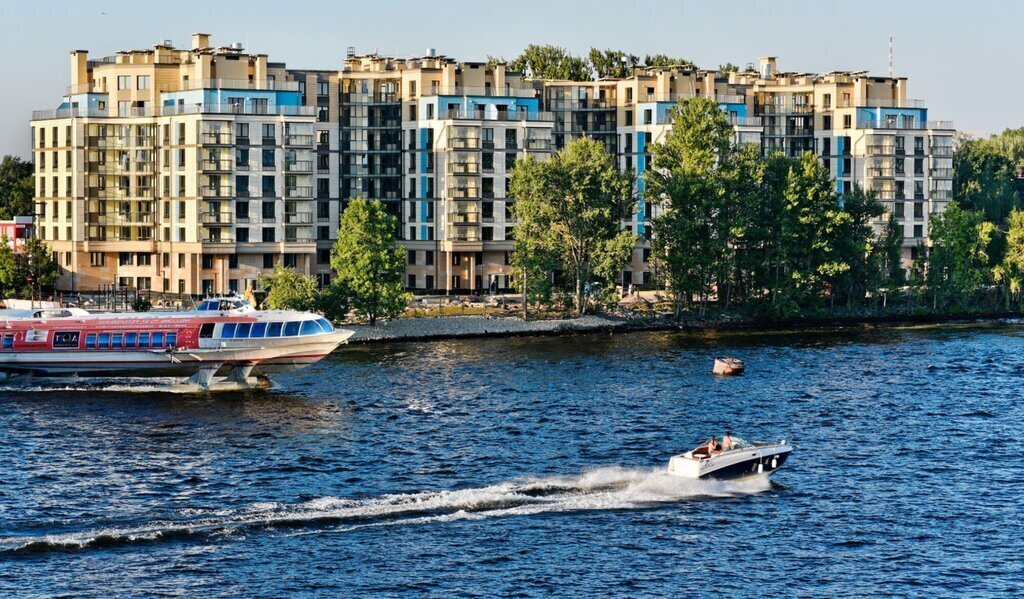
point(288, 289)
point(889, 275)
point(369, 262)
point(547, 62)
point(984, 178)
point(854, 245)
point(692, 236)
point(957, 262)
point(728, 68)
point(27, 272)
point(532, 260)
point(612, 63)
point(571, 208)
point(16, 187)
point(664, 61)
point(333, 302)
point(1010, 271)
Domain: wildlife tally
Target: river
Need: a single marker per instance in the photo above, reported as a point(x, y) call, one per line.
point(532, 467)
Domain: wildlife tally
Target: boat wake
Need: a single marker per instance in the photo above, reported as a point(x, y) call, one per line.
point(116, 384)
point(602, 489)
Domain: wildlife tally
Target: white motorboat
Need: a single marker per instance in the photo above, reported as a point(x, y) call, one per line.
point(743, 460)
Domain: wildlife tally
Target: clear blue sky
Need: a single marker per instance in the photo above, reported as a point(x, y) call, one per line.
point(961, 57)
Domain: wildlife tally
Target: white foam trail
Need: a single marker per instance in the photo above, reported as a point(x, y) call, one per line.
point(114, 384)
point(600, 489)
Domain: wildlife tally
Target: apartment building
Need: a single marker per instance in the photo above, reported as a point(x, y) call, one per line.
point(194, 171)
point(186, 171)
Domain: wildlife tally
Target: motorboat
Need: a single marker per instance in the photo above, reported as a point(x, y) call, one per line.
point(222, 339)
point(744, 460)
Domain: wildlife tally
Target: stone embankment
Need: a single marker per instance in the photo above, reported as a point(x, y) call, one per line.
point(447, 327)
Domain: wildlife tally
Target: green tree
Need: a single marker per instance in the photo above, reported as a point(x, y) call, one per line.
point(692, 235)
point(288, 289)
point(547, 62)
point(855, 246)
point(957, 261)
point(664, 61)
point(333, 301)
point(16, 187)
point(29, 272)
point(369, 261)
point(533, 260)
point(889, 276)
point(728, 68)
point(10, 285)
point(612, 63)
point(578, 199)
point(984, 178)
point(1010, 272)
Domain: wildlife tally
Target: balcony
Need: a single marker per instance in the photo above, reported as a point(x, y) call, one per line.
point(217, 138)
point(182, 109)
point(298, 236)
point(460, 114)
point(538, 145)
point(216, 192)
point(120, 219)
point(464, 168)
point(377, 98)
point(880, 172)
point(463, 192)
point(464, 218)
point(463, 233)
point(942, 150)
point(218, 219)
point(216, 165)
point(464, 143)
point(941, 173)
point(298, 218)
point(298, 166)
point(215, 236)
point(301, 191)
point(299, 139)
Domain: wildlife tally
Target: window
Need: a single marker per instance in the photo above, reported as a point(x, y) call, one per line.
point(259, 330)
point(8, 341)
point(648, 116)
point(143, 340)
point(291, 329)
point(274, 330)
point(918, 209)
point(90, 341)
point(97, 259)
point(124, 82)
point(228, 330)
point(104, 341)
point(172, 339)
point(412, 257)
point(309, 327)
point(847, 121)
point(268, 235)
point(158, 339)
point(268, 260)
point(325, 325)
point(826, 122)
point(243, 329)
point(142, 82)
point(130, 339)
point(118, 339)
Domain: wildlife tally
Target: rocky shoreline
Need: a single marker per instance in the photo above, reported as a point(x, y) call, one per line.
point(460, 327)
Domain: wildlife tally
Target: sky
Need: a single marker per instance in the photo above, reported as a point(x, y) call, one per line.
point(960, 57)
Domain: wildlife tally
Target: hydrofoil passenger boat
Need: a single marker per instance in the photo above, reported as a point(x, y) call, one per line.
point(224, 340)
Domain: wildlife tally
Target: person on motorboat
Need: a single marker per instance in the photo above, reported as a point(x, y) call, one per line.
point(727, 442)
point(714, 447)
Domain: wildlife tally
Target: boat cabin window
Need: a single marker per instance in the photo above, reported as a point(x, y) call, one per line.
point(259, 329)
point(206, 331)
point(118, 340)
point(8, 341)
point(172, 339)
point(310, 327)
point(90, 341)
point(158, 339)
point(129, 340)
point(325, 325)
point(104, 341)
point(143, 340)
point(274, 330)
point(291, 329)
point(243, 330)
point(228, 330)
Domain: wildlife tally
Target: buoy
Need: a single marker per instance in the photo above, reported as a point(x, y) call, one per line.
point(728, 367)
point(760, 468)
point(775, 463)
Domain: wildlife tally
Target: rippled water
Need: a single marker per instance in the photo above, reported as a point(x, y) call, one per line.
point(534, 467)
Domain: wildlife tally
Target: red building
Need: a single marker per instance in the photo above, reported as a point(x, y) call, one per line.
point(17, 231)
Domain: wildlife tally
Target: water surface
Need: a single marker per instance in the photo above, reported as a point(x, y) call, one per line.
point(533, 467)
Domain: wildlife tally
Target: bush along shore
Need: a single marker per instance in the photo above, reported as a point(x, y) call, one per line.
point(483, 326)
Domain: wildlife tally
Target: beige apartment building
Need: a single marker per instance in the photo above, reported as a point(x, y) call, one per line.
point(194, 171)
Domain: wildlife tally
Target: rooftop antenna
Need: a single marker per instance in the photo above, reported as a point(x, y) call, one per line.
point(890, 58)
